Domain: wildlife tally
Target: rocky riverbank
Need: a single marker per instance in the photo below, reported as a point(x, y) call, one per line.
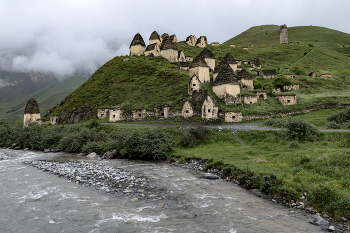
point(297, 207)
point(102, 177)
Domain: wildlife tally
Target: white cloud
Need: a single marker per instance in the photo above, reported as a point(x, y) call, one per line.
point(63, 36)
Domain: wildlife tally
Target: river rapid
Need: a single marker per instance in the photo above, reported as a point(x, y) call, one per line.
point(173, 199)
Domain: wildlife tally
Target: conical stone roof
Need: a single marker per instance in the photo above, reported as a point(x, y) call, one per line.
point(165, 35)
point(154, 36)
point(229, 59)
point(207, 53)
point(221, 65)
point(151, 47)
point(199, 62)
point(255, 61)
point(138, 40)
point(243, 74)
point(32, 107)
point(225, 76)
point(168, 44)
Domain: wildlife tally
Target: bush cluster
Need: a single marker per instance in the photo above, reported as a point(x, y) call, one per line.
point(151, 144)
point(339, 120)
point(300, 130)
point(279, 123)
point(192, 136)
point(280, 81)
point(296, 129)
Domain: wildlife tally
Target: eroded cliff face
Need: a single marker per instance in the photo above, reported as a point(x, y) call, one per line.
point(14, 78)
point(76, 115)
point(39, 76)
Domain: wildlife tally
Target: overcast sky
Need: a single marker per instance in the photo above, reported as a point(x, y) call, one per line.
point(65, 36)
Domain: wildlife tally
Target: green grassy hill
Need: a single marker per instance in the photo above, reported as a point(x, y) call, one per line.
point(144, 82)
point(302, 35)
point(46, 93)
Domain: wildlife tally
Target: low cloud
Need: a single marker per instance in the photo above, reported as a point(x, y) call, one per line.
point(64, 37)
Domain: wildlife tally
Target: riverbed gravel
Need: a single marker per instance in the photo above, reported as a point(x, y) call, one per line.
point(102, 177)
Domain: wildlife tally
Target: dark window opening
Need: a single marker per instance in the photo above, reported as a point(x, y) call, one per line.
point(113, 116)
point(191, 89)
point(233, 117)
point(288, 101)
point(208, 110)
point(187, 111)
point(251, 102)
point(234, 102)
point(139, 114)
point(162, 114)
point(101, 114)
point(194, 84)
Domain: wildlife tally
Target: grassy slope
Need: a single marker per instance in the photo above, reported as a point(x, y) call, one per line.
point(138, 83)
point(46, 97)
point(147, 82)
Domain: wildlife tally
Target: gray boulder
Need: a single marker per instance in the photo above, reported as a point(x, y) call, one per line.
point(110, 154)
point(47, 150)
point(319, 221)
point(55, 149)
point(92, 155)
point(210, 176)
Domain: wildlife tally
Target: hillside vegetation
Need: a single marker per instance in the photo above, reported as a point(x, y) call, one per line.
point(47, 93)
point(144, 82)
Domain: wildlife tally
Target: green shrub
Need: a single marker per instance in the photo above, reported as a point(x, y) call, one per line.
point(269, 183)
point(300, 130)
point(75, 138)
point(97, 147)
point(340, 117)
point(51, 137)
point(279, 123)
point(226, 171)
point(257, 84)
point(294, 145)
point(323, 198)
point(9, 134)
point(289, 194)
point(93, 124)
point(297, 70)
point(150, 144)
point(280, 81)
point(333, 125)
point(192, 136)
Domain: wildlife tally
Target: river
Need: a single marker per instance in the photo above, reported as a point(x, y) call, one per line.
point(177, 200)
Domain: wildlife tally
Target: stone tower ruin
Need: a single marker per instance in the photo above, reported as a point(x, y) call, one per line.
point(31, 112)
point(283, 34)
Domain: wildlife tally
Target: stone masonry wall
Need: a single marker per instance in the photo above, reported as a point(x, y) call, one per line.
point(295, 111)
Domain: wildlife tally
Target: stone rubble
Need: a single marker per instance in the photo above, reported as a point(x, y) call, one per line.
point(100, 176)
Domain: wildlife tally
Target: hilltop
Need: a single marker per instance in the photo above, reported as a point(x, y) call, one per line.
point(147, 82)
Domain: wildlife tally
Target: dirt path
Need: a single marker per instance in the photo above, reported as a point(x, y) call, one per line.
point(233, 127)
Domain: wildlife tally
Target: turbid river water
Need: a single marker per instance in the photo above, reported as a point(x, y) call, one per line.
point(178, 200)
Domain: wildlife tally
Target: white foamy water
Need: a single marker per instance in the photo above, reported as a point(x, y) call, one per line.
point(35, 201)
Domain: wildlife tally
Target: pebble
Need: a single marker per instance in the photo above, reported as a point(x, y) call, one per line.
point(5, 157)
point(103, 177)
point(195, 164)
point(331, 228)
